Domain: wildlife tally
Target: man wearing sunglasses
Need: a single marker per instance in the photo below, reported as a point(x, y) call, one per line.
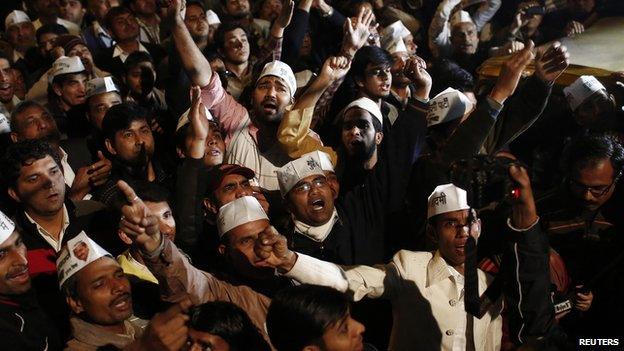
point(581, 219)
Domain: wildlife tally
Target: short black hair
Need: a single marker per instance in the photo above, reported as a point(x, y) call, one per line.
point(230, 322)
point(299, 316)
point(372, 55)
point(446, 73)
point(197, 3)
point(589, 148)
point(219, 36)
point(150, 191)
point(20, 108)
point(119, 117)
point(135, 58)
point(24, 153)
point(113, 13)
point(51, 28)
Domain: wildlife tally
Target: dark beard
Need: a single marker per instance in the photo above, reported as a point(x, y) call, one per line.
point(53, 138)
point(137, 167)
point(362, 153)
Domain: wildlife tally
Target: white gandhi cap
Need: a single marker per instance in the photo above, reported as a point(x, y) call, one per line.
point(79, 252)
point(15, 17)
point(396, 30)
point(238, 212)
point(65, 65)
point(447, 106)
point(97, 86)
point(6, 227)
point(212, 17)
point(365, 104)
point(323, 159)
point(446, 198)
point(460, 17)
point(581, 89)
point(290, 174)
point(283, 71)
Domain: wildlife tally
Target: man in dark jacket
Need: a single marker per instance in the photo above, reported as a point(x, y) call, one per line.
point(23, 324)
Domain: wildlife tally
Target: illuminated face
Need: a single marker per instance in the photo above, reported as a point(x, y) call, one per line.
point(104, 294)
point(21, 36)
point(377, 81)
point(196, 23)
point(240, 252)
point(465, 38)
point(133, 144)
point(166, 222)
point(40, 187)
point(270, 98)
point(36, 123)
point(452, 230)
point(6, 81)
point(73, 89)
point(235, 47)
point(311, 200)
point(14, 277)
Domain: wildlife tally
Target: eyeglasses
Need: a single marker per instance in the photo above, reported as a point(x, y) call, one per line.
point(452, 224)
point(307, 186)
point(596, 191)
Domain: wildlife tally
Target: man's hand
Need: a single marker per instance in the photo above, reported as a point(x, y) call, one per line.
point(99, 171)
point(322, 6)
point(511, 47)
point(167, 330)
point(334, 68)
point(283, 20)
point(573, 28)
point(550, 64)
point(137, 222)
point(582, 301)
point(416, 70)
point(80, 186)
point(356, 31)
point(511, 72)
point(524, 214)
point(272, 248)
point(174, 10)
point(199, 125)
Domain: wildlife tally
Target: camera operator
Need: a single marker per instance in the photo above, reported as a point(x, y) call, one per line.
point(581, 218)
point(427, 289)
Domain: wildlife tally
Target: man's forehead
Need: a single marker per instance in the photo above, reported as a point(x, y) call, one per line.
point(459, 214)
point(235, 33)
point(96, 269)
point(272, 79)
point(232, 178)
point(137, 124)
point(31, 111)
point(464, 27)
point(45, 162)
point(10, 241)
point(252, 228)
point(357, 113)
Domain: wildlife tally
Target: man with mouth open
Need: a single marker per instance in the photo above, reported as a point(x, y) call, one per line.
point(249, 134)
point(23, 324)
point(427, 288)
point(8, 100)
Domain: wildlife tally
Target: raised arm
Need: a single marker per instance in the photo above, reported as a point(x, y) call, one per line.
point(193, 61)
point(440, 28)
point(294, 131)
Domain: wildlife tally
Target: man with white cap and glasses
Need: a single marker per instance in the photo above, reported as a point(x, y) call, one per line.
point(427, 289)
point(23, 325)
point(239, 223)
point(250, 135)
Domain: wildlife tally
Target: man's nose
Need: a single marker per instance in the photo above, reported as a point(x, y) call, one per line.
point(240, 192)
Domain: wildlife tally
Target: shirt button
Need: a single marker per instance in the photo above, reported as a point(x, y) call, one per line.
point(450, 332)
point(452, 302)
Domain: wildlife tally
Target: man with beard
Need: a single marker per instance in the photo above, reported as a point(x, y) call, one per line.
point(23, 325)
point(582, 218)
point(129, 139)
point(31, 170)
point(99, 294)
point(8, 100)
point(48, 11)
point(250, 135)
point(31, 121)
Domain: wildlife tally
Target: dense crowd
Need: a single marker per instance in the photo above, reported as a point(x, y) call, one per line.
point(324, 175)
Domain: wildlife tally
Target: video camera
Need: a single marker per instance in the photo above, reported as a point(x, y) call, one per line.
point(486, 179)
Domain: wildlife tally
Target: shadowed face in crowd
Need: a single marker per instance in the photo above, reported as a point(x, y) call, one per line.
point(465, 38)
point(593, 184)
point(14, 277)
point(358, 134)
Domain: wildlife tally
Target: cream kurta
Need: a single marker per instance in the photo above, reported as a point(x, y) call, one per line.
point(425, 301)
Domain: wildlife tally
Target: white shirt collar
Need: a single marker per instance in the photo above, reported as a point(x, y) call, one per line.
point(47, 236)
point(118, 51)
point(316, 233)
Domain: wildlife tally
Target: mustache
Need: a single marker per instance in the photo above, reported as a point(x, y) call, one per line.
point(118, 299)
point(16, 270)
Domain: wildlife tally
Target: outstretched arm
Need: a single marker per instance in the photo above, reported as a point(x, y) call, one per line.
point(193, 61)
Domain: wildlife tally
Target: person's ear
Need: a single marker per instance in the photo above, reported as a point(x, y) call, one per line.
point(210, 207)
point(359, 82)
point(109, 146)
point(221, 249)
point(58, 90)
point(75, 305)
point(378, 137)
point(14, 137)
point(13, 194)
point(126, 240)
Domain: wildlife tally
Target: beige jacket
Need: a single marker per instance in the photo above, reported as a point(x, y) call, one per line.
point(88, 337)
point(423, 295)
